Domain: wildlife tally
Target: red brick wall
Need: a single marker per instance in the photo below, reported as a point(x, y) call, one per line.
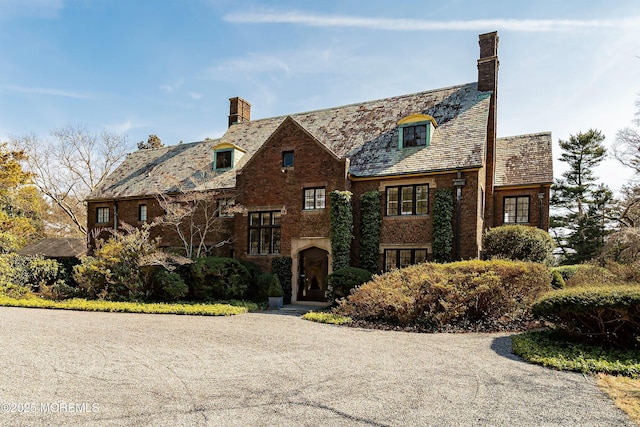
point(416, 231)
point(128, 212)
point(265, 185)
point(534, 205)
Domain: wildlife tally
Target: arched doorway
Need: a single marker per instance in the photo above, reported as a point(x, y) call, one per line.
point(314, 269)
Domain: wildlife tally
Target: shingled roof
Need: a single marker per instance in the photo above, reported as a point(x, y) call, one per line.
point(56, 248)
point(524, 160)
point(366, 133)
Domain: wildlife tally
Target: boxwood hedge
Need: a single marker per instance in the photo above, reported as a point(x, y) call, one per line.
point(607, 315)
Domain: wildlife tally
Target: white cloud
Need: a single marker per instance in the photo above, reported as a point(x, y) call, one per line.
point(390, 24)
point(172, 87)
point(123, 127)
point(45, 91)
point(195, 95)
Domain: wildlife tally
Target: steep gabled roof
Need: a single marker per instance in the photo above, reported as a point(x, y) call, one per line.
point(366, 133)
point(524, 160)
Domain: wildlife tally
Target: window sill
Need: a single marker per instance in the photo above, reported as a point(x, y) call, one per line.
point(404, 217)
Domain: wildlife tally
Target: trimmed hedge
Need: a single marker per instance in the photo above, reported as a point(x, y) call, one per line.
point(498, 292)
point(79, 304)
point(607, 315)
point(341, 282)
point(518, 242)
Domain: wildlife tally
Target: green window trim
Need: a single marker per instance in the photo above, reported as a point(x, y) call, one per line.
point(422, 128)
point(222, 160)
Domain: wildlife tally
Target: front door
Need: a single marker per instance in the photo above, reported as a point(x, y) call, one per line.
point(314, 268)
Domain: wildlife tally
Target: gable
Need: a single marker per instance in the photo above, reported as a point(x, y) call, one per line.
point(524, 160)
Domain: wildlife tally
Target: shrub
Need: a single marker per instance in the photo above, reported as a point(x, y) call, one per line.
point(330, 318)
point(341, 282)
point(518, 242)
point(32, 273)
point(281, 267)
point(476, 292)
point(216, 278)
point(168, 286)
point(275, 289)
point(591, 275)
point(607, 315)
point(567, 271)
point(43, 272)
point(557, 282)
point(370, 226)
point(122, 268)
point(59, 290)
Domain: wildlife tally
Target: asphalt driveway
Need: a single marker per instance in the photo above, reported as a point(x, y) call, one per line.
point(79, 368)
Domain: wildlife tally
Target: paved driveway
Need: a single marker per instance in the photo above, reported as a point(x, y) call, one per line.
point(77, 368)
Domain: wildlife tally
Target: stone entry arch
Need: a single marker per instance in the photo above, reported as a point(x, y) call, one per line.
point(314, 269)
point(311, 264)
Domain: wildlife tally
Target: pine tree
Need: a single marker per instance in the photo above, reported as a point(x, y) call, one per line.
point(580, 220)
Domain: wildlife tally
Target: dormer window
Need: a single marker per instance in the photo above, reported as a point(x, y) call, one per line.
point(224, 159)
point(226, 156)
point(414, 136)
point(415, 131)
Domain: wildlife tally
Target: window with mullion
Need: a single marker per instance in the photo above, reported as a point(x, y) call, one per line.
point(102, 215)
point(516, 210)
point(314, 198)
point(401, 258)
point(408, 200)
point(264, 232)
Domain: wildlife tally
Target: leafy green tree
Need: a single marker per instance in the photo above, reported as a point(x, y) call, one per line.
point(580, 221)
point(21, 205)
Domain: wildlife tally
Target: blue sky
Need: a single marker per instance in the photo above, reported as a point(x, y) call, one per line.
point(169, 67)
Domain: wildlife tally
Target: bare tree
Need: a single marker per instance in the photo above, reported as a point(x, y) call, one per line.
point(198, 219)
point(626, 147)
point(70, 163)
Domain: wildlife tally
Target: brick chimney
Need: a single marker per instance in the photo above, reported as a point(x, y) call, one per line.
point(488, 65)
point(239, 111)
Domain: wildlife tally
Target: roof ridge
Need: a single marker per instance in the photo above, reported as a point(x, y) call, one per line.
point(526, 134)
point(283, 116)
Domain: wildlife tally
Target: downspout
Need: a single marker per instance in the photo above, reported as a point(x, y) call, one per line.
point(458, 183)
point(541, 205)
point(115, 215)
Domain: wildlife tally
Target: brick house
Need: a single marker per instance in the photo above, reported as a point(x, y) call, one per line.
point(282, 169)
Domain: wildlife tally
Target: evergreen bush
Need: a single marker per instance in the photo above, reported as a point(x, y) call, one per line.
point(281, 267)
point(370, 226)
point(608, 315)
point(442, 225)
point(341, 228)
point(341, 282)
point(478, 292)
point(518, 243)
point(216, 278)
